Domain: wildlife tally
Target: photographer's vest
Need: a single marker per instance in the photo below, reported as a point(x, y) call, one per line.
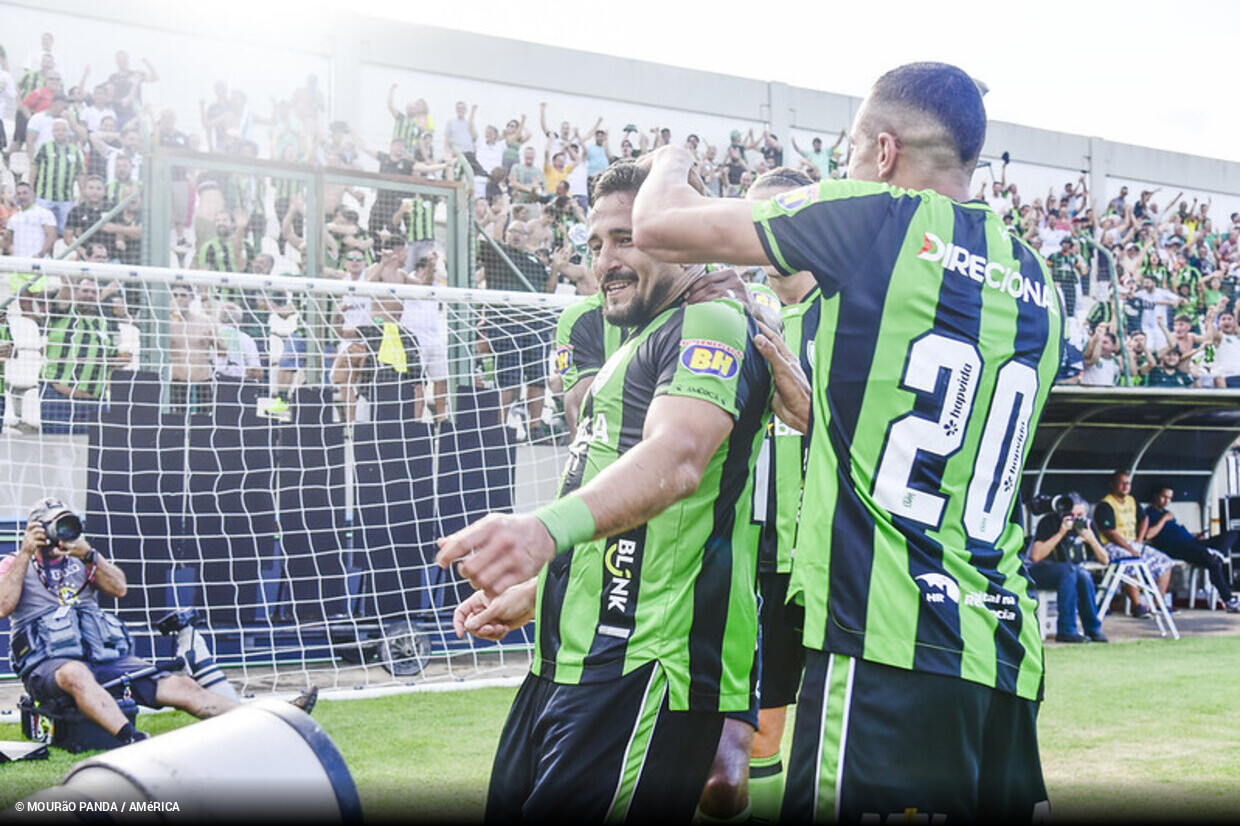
point(1125, 515)
point(58, 616)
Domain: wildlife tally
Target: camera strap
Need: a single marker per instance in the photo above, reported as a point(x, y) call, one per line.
point(59, 592)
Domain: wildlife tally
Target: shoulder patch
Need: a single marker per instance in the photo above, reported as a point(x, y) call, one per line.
point(795, 199)
point(563, 358)
point(711, 358)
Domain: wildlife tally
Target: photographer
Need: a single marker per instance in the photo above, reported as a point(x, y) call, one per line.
point(64, 646)
point(1062, 541)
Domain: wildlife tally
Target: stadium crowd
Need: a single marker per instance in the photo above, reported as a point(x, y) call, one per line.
point(1148, 283)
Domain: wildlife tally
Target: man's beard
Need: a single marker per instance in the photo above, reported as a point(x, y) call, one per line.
point(641, 307)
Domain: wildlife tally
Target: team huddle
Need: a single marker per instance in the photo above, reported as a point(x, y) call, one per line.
point(752, 517)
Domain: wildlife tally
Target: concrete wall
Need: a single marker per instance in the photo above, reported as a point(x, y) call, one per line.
point(357, 58)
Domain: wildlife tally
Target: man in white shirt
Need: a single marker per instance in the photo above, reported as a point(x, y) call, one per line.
point(31, 231)
point(1225, 368)
point(100, 107)
point(1102, 367)
point(490, 154)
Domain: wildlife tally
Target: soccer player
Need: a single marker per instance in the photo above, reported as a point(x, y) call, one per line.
point(747, 779)
point(647, 619)
point(584, 340)
point(937, 346)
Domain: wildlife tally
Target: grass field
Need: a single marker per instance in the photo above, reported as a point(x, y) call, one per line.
point(1137, 732)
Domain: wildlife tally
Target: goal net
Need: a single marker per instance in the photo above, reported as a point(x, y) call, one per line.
point(276, 456)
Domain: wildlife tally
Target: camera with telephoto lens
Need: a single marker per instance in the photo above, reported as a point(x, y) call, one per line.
point(59, 521)
point(1060, 505)
point(1079, 525)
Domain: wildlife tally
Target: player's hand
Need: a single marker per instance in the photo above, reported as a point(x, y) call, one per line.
point(792, 398)
point(493, 619)
point(498, 551)
point(664, 153)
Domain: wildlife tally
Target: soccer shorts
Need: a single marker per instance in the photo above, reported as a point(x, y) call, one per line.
point(598, 752)
point(783, 656)
point(879, 744)
point(41, 682)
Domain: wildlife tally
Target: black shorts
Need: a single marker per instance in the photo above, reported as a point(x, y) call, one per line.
point(783, 656)
point(520, 354)
point(601, 752)
point(41, 682)
point(872, 742)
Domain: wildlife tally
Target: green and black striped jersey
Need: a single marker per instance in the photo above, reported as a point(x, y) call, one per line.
point(219, 255)
point(680, 588)
point(937, 346)
point(420, 219)
point(57, 168)
point(781, 472)
point(406, 129)
point(79, 351)
point(584, 340)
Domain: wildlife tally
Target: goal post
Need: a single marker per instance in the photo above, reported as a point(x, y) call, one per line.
point(294, 503)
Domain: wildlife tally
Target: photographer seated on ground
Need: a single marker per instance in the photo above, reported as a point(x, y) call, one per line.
point(64, 646)
point(1062, 541)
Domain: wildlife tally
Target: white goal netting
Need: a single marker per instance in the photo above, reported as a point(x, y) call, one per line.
point(278, 455)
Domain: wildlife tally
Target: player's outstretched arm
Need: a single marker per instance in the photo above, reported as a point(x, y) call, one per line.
point(680, 436)
point(673, 221)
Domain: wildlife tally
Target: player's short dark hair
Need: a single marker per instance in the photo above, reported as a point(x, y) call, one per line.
point(621, 177)
point(782, 177)
point(945, 93)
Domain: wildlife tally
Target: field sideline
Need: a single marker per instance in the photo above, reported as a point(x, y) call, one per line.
point(1133, 731)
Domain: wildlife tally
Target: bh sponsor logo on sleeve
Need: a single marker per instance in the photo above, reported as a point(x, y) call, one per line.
point(710, 358)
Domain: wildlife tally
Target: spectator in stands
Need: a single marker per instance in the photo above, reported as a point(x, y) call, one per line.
point(8, 96)
point(489, 154)
point(1169, 373)
point(555, 166)
point(123, 182)
point(192, 337)
point(398, 162)
point(237, 357)
point(1141, 360)
point(123, 234)
point(826, 161)
point(519, 343)
point(88, 211)
point(1061, 543)
point(460, 134)
point(422, 319)
point(1183, 342)
point(30, 231)
point(1067, 269)
point(415, 221)
point(1102, 367)
point(100, 107)
point(1152, 301)
point(515, 135)
point(108, 146)
point(1225, 338)
point(228, 251)
point(1167, 535)
point(59, 172)
point(80, 357)
point(39, 129)
point(410, 124)
point(1121, 523)
point(527, 181)
point(127, 87)
point(1119, 204)
point(598, 157)
point(734, 167)
point(353, 313)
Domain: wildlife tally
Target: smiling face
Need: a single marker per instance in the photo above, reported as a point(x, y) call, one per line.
point(635, 286)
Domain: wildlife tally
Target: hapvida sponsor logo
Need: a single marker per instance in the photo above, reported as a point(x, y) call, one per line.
point(992, 274)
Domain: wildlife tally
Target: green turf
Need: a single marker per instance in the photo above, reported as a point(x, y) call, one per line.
point(1133, 731)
